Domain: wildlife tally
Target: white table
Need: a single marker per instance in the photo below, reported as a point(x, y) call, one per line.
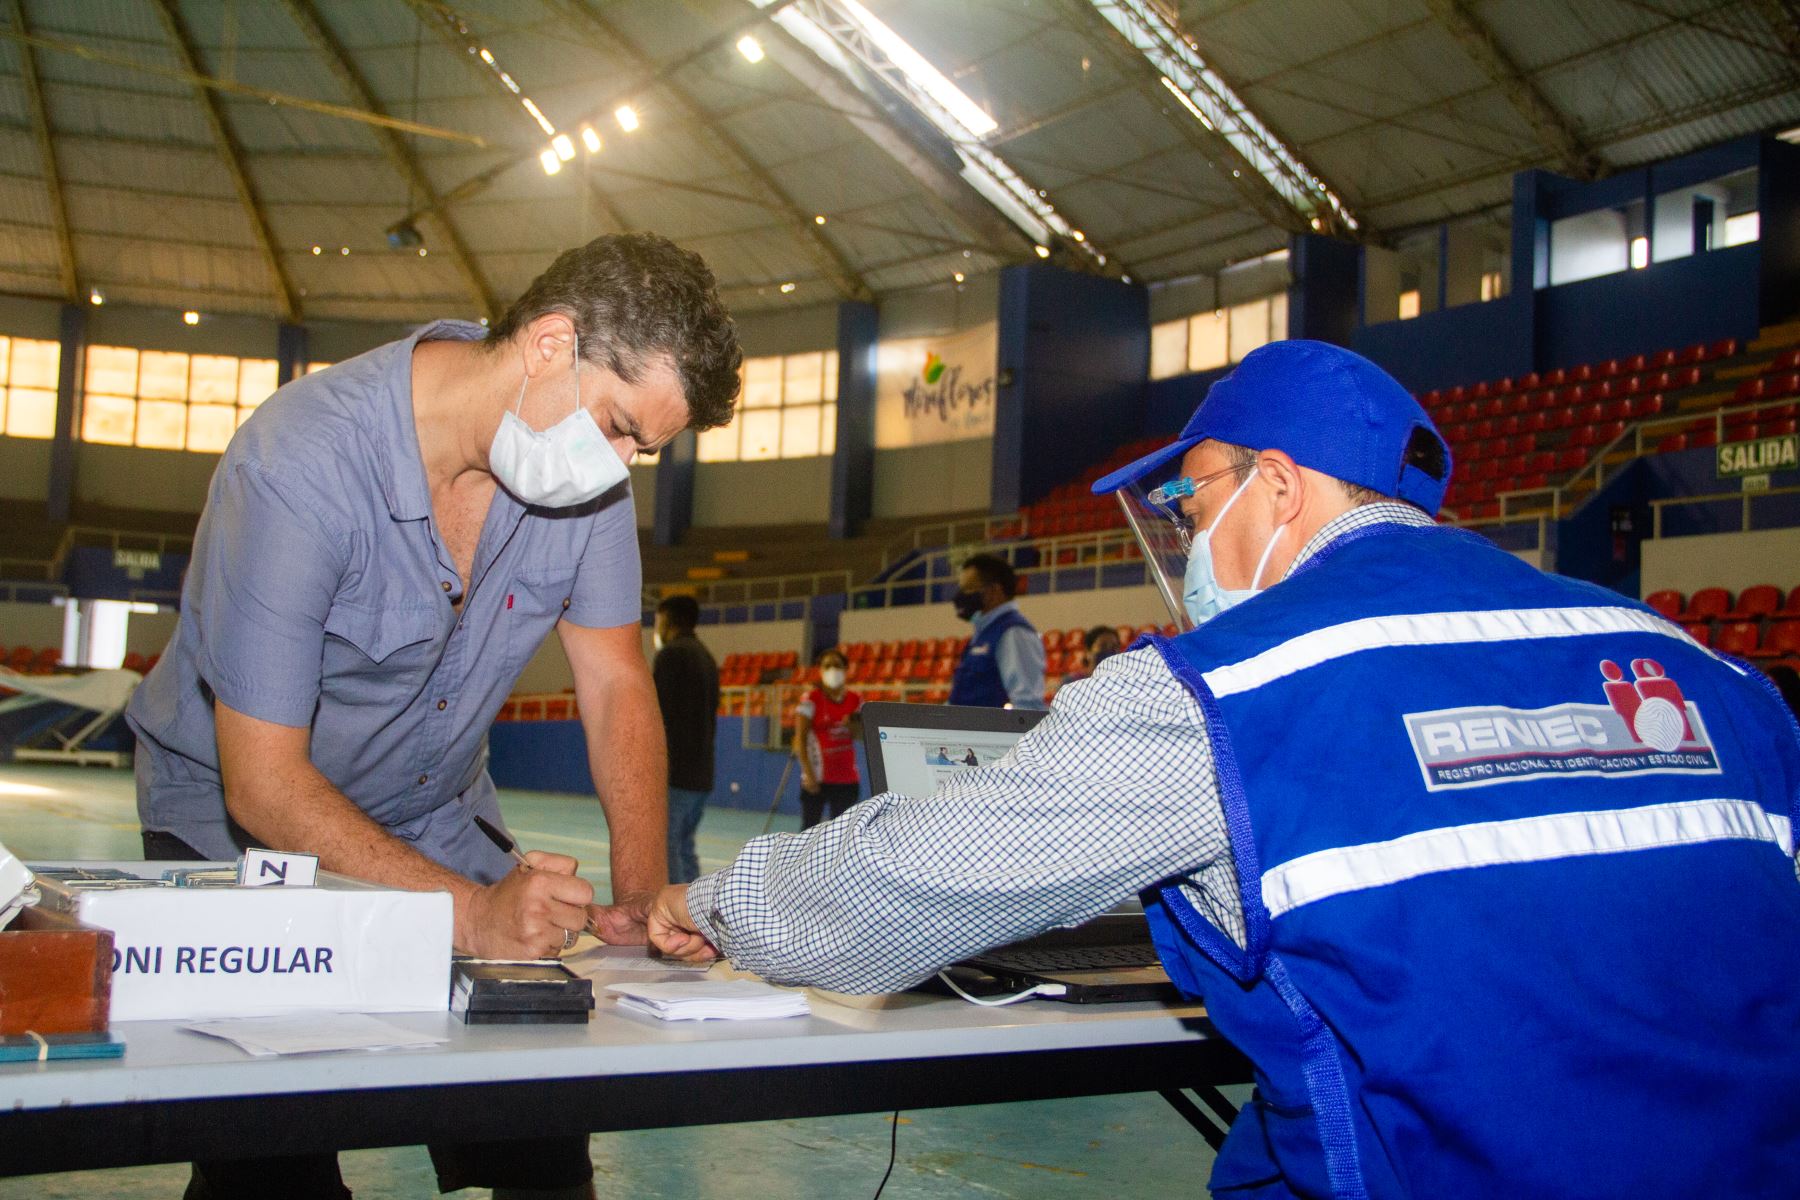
point(176, 1096)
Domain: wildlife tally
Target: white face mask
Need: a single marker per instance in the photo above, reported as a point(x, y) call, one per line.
point(656, 639)
point(567, 464)
point(832, 677)
point(1202, 594)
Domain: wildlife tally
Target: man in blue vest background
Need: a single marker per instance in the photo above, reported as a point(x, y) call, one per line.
point(1004, 664)
point(1489, 872)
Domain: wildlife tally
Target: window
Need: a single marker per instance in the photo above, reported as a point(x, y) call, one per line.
point(1745, 227)
point(28, 387)
point(1493, 286)
point(1207, 341)
point(165, 400)
point(1640, 253)
point(1409, 304)
point(788, 409)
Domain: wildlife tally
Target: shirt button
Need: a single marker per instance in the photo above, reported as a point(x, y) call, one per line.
point(446, 585)
point(565, 602)
point(443, 704)
point(422, 780)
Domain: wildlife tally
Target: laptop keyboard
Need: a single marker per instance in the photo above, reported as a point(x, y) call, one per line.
point(1071, 958)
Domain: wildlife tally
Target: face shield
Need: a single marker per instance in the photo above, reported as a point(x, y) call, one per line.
point(1152, 508)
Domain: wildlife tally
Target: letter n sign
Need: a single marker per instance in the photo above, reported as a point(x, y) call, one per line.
point(267, 868)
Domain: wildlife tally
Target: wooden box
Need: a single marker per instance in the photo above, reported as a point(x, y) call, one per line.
point(55, 975)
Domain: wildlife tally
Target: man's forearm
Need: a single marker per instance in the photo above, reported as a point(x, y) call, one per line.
point(295, 808)
point(629, 760)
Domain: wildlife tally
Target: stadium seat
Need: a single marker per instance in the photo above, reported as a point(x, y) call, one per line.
point(1662, 360)
point(1672, 444)
point(1636, 363)
point(1668, 603)
point(1757, 602)
point(1787, 360)
point(1700, 633)
point(1782, 639)
point(1738, 637)
point(1750, 389)
point(1708, 604)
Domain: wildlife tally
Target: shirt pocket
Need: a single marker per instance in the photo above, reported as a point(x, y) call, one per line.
point(535, 604)
point(381, 657)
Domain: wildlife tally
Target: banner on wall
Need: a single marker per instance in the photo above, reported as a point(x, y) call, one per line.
point(939, 389)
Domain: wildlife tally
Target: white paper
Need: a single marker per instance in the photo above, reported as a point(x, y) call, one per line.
point(598, 960)
point(313, 1033)
point(269, 868)
point(711, 1000)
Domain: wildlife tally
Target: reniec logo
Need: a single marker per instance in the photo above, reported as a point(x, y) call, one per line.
point(1646, 727)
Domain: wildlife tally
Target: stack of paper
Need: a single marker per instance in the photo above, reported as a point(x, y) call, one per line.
point(314, 1033)
point(598, 959)
point(708, 1000)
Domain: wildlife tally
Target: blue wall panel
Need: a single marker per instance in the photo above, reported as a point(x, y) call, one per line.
point(1452, 345)
point(1696, 299)
point(1074, 355)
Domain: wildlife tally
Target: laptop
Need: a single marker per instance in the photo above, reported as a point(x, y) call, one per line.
point(912, 749)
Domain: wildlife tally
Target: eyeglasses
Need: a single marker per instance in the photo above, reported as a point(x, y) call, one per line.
point(1167, 499)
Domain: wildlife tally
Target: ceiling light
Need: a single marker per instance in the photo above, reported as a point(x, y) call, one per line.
point(318, 250)
point(1042, 251)
point(786, 288)
point(537, 114)
point(1078, 235)
point(564, 146)
point(422, 252)
point(344, 250)
point(484, 322)
point(96, 297)
point(819, 220)
point(750, 48)
point(552, 164)
point(627, 118)
point(958, 277)
point(190, 317)
point(590, 139)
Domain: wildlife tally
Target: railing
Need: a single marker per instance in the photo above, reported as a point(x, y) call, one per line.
point(1054, 560)
point(1558, 496)
point(1496, 529)
point(801, 586)
point(1744, 499)
point(972, 531)
point(49, 570)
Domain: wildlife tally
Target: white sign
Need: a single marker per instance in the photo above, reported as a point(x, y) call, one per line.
point(930, 390)
point(267, 868)
point(342, 946)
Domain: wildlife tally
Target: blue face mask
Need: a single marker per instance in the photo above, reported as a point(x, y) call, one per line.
point(1201, 593)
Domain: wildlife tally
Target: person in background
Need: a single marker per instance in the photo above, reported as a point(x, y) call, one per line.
point(826, 726)
point(687, 689)
point(1004, 664)
point(1099, 644)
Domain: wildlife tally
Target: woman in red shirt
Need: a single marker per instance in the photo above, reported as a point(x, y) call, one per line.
point(825, 730)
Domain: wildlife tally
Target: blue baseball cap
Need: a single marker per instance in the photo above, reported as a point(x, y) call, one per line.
point(1327, 409)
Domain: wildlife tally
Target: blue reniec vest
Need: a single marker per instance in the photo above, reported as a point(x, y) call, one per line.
point(1516, 862)
point(977, 680)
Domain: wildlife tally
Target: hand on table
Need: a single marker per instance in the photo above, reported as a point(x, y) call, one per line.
point(527, 913)
point(672, 929)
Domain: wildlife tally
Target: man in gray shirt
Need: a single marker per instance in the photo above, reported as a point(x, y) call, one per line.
point(384, 546)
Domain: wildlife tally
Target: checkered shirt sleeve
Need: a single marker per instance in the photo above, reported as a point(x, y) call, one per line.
point(1113, 792)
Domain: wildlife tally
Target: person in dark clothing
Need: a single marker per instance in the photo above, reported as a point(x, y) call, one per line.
point(1004, 664)
point(687, 689)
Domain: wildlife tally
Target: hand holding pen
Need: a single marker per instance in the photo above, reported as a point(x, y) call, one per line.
point(542, 905)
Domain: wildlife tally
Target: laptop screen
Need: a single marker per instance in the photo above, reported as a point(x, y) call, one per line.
point(923, 747)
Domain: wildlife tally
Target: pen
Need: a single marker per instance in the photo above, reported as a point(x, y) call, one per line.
point(501, 840)
point(511, 847)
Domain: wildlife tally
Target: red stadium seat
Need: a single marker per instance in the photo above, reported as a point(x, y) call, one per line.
point(1636, 363)
point(1703, 437)
point(1787, 360)
point(1672, 444)
point(1531, 380)
point(1750, 389)
point(1784, 385)
point(1738, 637)
point(1662, 359)
point(1700, 633)
point(1708, 604)
point(1667, 603)
point(1756, 602)
point(1743, 433)
point(1782, 639)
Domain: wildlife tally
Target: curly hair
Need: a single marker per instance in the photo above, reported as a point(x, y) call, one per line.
point(636, 298)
